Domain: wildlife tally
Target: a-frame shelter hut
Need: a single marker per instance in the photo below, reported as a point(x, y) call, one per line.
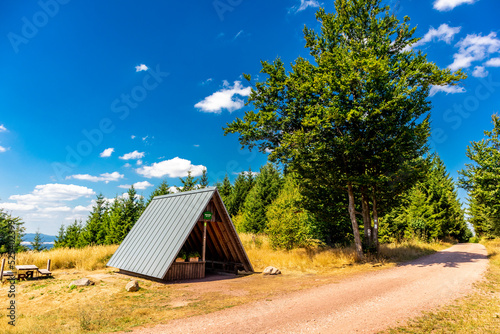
point(192, 221)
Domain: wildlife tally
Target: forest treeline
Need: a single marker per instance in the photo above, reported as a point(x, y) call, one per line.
point(271, 202)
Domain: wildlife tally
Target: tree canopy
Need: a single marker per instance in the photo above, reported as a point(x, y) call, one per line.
point(355, 116)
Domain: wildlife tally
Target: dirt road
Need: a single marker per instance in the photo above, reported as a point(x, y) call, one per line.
point(364, 304)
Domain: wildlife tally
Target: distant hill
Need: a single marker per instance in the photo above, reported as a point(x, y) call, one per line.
point(48, 240)
point(28, 237)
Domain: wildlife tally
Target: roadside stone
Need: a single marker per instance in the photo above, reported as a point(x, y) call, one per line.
point(81, 282)
point(132, 286)
point(271, 271)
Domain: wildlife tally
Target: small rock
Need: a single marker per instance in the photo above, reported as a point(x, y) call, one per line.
point(271, 271)
point(132, 286)
point(81, 282)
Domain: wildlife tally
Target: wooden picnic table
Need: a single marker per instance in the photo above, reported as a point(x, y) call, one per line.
point(26, 268)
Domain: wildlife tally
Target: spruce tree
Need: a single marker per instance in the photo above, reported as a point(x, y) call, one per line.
point(11, 233)
point(265, 189)
point(242, 186)
point(481, 180)
point(188, 183)
point(37, 243)
point(225, 189)
point(61, 238)
point(94, 233)
point(203, 179)
point(72, 234)
point(162, 189)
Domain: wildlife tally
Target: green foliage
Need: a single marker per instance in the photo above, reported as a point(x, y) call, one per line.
point(265, 189)
point(203, 179)
point(94, 233)
point(354, 120)
point(430, 210)
point(37, 243)
point(188, 183)
point(11, 233)
point(289, 224)
point(481, 179)
point(242, 186)
point(225, 189)
point(162, 189)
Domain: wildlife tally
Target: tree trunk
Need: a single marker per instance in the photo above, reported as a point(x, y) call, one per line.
point(354, 222)
point(367, 219)
point(375, 224)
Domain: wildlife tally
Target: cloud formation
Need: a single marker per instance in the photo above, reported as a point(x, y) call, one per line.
point(444, 33)
point(2, 149)
point(447, 5)
point(138, 185)
point(493, 62)
point(446, 89)
point(304, 4)
point(105, 177)
point(3, 128)
point(175, 167)
point(107, 152)
point(480, 72)
point(474, 48)
point(133, 156)
point(226, 98)
point(52, 194)
point(141, 67)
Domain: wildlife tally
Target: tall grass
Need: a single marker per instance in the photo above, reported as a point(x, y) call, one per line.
point(321, 259)
point(309, 260)
point(88, 258)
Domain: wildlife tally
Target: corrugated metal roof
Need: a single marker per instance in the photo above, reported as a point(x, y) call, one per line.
point(155, 240)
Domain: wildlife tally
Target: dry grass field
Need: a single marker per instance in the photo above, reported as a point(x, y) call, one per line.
point(50, 306)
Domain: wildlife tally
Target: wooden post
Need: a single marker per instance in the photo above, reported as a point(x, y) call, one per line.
point(48, 265)
point(204, 240)
point(1, 270)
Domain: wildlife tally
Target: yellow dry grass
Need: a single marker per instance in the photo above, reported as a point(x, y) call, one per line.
point(88, 258)
point(50, 306)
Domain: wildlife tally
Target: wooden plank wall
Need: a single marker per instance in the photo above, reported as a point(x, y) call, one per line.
point(185, 270)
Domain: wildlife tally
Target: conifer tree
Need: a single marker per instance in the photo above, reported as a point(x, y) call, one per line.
point(481, 179)
point(11, 233)
point(94, 232)
point(162, 189)
point(242, 186)
point(37, 243)
point(225, 189)
point(60, 238)
point(203, 179)
point(188, 183)
point(72, 234)
point(265, 189)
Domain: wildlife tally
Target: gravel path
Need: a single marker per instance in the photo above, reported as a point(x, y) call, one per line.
point(365, 304)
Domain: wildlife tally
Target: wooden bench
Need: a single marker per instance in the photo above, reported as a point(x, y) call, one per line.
point(45, 272)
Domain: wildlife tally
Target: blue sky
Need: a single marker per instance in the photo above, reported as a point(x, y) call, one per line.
point(96, 96)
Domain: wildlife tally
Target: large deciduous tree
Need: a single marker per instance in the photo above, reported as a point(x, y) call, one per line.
point(353, 117)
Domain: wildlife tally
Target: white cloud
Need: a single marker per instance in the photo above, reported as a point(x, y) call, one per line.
point(480, 72)
point(132, 136)
point(138, 185)
point(141, 67)
point(304, 4)
point(446, 5)
point(196, 145)
point(225, 99)
point(127, 165)
point(3, 128)
point(107, 152)
point(139, 162)
point(52, 194)
point(133, 156)
point(55, 209)
point(444, 33)
point(2, 149)
point(206, 82)
point(474, 48)
point(447, 89)
point(493, 62)
point(238, 34)
point(106, 177)
point(17, 206)
point(175, 167)
point(81, 208)
point(246, 172)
